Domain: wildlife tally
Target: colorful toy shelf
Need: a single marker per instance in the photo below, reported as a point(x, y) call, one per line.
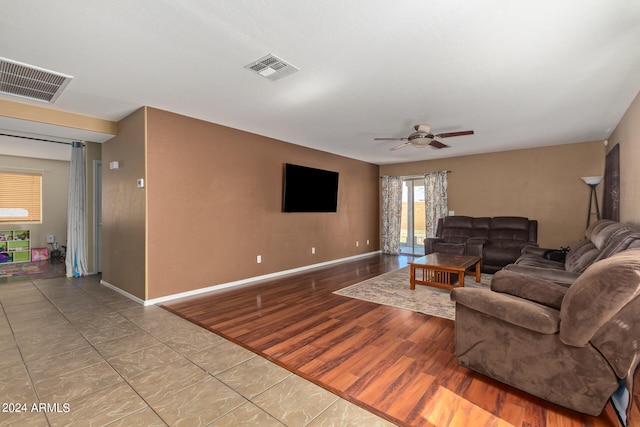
point(15, 246)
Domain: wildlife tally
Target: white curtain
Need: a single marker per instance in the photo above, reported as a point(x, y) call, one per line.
point(76, 261)
point(435, 193)
point(391, 214)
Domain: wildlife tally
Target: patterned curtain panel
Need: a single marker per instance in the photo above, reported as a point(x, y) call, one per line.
point(76, 259)
point(435, 194)
point(391, 214)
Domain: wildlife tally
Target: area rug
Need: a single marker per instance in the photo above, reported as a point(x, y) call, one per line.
point(393, 289)
point(22, 268)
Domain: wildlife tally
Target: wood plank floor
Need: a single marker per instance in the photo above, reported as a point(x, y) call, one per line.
point(396, 363)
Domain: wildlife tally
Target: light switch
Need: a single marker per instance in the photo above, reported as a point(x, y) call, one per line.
point(140, 182)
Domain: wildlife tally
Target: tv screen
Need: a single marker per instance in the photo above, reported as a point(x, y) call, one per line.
point(309, 190)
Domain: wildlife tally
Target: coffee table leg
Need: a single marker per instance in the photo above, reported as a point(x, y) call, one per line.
point(461, 278)
point(478, 276)
point(413, 277)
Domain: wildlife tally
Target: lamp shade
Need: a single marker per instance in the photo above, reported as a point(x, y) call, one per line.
point(591, 180)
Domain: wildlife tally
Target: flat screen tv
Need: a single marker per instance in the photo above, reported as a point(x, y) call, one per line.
point(309, 190)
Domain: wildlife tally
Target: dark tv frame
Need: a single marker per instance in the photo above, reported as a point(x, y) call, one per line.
point(307, 189)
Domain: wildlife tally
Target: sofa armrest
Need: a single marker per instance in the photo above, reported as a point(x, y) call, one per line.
point(534, 250)
point(561, 277)
point(474, 246)
point(528, 287)
point(429, 242)
point(510, 309)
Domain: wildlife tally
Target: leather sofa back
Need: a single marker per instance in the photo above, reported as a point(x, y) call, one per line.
point(455, 229)
point(512, 232)
point(604, 239)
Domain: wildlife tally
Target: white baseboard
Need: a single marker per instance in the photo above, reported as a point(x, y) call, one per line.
point(121, 292)
point(231, 284)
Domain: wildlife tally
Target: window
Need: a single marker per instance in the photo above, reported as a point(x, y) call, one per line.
point(20, 197)
point(412, 225)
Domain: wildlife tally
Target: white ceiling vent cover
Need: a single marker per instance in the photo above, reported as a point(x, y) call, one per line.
point(272, 67)
point(27, 81)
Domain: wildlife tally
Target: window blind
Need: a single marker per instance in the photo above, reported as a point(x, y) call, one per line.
point(20, 192)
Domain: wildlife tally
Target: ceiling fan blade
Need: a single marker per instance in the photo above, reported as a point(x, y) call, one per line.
point(437, 144)
point(400, 146)
point(450, 134)
point(389, 139)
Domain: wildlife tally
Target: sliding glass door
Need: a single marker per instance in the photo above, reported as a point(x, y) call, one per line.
point(413, 223)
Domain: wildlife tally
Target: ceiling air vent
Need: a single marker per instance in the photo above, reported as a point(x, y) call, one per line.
point(272, 67)
point(27, 81)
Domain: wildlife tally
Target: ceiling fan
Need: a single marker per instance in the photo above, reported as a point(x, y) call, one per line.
point(423, 137)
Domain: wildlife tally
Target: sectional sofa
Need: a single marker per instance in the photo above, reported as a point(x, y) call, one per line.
point(603, 239)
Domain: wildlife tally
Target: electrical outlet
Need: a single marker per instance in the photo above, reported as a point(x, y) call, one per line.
point(50, 238)
point(357, 243)
point(313, 250)
point(367, 242)
point(259, 259)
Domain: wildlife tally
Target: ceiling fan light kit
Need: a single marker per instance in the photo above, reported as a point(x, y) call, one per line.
point(423, 137)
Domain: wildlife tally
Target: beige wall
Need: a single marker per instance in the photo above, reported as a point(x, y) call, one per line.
point(541, 183)
point(214, 205)
point(627, 134)
point(124, 207)
point(55, 186)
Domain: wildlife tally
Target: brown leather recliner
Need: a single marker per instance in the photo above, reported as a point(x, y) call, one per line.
point(453, 233)
point(498, 240)
point(575, 346)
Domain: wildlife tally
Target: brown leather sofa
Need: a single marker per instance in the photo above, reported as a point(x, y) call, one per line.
point(574, 346)
point(499, 240)
point(603, 239)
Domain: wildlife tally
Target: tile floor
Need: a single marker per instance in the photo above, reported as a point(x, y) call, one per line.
point(74, 352)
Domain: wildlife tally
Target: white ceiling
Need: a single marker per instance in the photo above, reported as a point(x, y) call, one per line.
point(520, 73)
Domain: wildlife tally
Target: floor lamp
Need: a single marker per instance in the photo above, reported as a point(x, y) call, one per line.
point(592, 182)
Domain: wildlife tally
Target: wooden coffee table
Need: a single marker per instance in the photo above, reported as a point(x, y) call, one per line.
point(437, 269)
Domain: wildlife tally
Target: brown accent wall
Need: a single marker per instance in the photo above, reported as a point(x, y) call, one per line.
point(214, 205)
point(627, 134)
point(124, 207)
point(541, 183)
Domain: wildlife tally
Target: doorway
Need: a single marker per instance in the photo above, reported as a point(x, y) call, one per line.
point(97, 214)
point(413, 229)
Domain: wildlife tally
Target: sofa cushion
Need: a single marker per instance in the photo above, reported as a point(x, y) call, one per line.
point(457, 229)
point(619, 242)
point(538, 261)
point(500, 255)
point(604, 237)
point(595, 227)
point(509, 232)
point(449, 248)
point(481, 226)
point(597, 295)
point(581, 256)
